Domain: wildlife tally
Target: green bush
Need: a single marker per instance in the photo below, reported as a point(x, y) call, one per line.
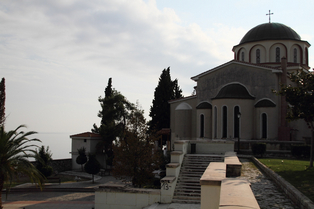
point(258, 149)
point(301, 151)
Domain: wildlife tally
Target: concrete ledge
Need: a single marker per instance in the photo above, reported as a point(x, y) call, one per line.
point(295, 195)
point(173, 165)
point(168, 179)
point(176, 153)
point(181, 141)
point(233, 163)
point(214, 174)
point(237, 193)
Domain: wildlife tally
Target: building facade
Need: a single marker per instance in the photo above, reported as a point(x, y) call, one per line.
point(236, 99)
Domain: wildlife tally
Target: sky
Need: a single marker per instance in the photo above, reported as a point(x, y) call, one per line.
point(57, 55)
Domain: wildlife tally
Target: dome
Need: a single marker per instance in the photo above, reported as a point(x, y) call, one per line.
point(270, 31)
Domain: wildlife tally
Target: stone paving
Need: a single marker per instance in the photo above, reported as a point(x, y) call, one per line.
point(266, 193)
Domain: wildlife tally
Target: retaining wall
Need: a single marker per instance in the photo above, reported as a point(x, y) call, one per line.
point(295, 195)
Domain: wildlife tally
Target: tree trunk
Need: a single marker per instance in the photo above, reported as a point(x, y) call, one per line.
point(312, 148)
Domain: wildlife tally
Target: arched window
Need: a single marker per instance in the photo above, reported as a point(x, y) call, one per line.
point(236, 122)
point(258, 55)
point(242, 56)
point(277, 54)
point(202, 126)
point(264, 126)
point(224, 122)
point(215, 123)
point(295, 55)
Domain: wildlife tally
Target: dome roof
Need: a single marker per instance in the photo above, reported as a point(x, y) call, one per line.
point(270, 31)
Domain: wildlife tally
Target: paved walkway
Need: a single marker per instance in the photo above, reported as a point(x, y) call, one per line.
point(266, 193)
point(60, 200)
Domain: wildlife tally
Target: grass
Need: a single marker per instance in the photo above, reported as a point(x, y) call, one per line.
point(296, 172)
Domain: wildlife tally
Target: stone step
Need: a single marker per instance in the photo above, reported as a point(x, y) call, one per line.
point(188, 188)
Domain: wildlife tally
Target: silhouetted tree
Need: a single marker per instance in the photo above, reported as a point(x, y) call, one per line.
point(43, 157)
point(92, 166)
point(160, 110)
point(15, 149)
point(114, 113)
point(134, 157)
point(301, 99)
point(2, 102)
point(81, 158)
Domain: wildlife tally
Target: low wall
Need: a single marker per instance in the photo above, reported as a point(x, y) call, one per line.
point(112, 196)
point(276, 148)
point(60, 165)
point(219, 147)
point(295, 195)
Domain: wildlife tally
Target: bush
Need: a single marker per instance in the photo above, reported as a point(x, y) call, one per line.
point(92, 166)
point(43, 157)
point(258, 149)
point(301, 151)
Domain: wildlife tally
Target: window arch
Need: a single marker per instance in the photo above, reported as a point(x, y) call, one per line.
point(242, 56)
point(224, 122)
point(236, 122)
point(295, 55)
point(202, 126)
point(277, 54)
point(258, 55)
point(264, 126)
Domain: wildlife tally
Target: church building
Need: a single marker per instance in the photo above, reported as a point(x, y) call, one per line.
point(236, 99)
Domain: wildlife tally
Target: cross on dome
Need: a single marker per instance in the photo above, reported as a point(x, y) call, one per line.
point(269, 15)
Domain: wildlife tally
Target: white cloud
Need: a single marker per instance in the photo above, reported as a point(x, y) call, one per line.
point(57, 56)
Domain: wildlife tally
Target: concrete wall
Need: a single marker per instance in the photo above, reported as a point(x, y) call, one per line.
point(218, 147)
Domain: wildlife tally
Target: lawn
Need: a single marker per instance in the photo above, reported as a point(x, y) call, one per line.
point(296, 172)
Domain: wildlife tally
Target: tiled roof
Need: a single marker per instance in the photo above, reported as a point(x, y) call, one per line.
point(86, 134)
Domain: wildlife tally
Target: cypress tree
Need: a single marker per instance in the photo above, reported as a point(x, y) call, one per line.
point(2, 102)
point(160, 110)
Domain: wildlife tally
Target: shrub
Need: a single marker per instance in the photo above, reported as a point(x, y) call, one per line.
point(301, 151)
point(43, 157)
point(258, 149)
point(82, 158)
point(92, 166)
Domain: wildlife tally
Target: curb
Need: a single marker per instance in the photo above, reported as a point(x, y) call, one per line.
point(294, 194)
point(25, 189)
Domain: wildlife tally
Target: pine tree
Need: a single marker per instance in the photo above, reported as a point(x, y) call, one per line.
point(114, 113)
point(2, 102)
point(160, 110)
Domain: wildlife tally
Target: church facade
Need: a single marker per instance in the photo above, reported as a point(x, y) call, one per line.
point(236, 99)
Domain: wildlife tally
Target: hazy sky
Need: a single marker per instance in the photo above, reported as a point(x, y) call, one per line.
point(58, 55)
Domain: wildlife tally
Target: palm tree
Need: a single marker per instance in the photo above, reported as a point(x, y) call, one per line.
point(15, 148)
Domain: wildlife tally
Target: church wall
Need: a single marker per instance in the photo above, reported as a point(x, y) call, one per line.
point(183, 122)
point(259, 82)
point(269, 52)
point(272, 52)
point(246, 120)
point(272, 122)
point(300, 130)
point(207, 123)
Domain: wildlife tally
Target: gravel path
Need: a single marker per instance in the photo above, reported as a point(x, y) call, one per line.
point(266, 193)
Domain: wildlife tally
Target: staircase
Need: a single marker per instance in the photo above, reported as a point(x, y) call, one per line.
point(188, 188)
